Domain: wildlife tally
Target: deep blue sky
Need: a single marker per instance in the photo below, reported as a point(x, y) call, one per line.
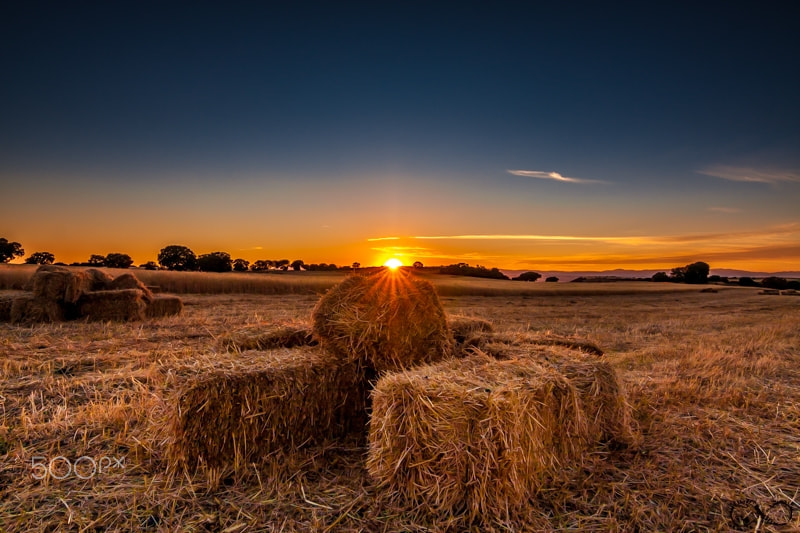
point(398, 109)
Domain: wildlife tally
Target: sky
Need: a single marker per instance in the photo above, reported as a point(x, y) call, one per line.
point(521, 135)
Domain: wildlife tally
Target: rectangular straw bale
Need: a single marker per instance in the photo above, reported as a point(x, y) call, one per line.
point(122, 305)
point(267, 336)
point(129, 281)
point(164, 305)
point(292, 398)
point(58, 285)
point(475, 436)
point(6, 301)
point(30, 309)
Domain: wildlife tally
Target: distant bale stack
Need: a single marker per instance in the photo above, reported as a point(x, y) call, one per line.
point(226, 419)
point(119, 305)
point(30, 309)
point(473, 436)
point(385, 321)
point(129, 281)
point(6, 301)
point(267, 336)
point(164, 305)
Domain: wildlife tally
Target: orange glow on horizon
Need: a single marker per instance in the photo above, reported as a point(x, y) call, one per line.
point(393, 263)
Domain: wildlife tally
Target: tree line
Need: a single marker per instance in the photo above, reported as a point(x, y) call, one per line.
point(172, 257)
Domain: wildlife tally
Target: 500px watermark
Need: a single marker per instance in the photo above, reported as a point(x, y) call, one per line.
point(83, 467)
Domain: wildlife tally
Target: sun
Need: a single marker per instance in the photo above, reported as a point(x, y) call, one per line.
point(393, 263)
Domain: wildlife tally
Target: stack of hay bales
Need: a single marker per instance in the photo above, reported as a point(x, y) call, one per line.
point(386, 321)
point(292, 399)
point(58, 293)
point(453, 430)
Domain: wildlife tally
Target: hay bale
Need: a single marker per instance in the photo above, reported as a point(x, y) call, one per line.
point(6, 301)
point(164, 305)
point(129, 281)
point(61, 285)
point(97, 280)
point(601, 392)
point(473, 436)
point(122, 305)
point(31, 309)
point(267, 337)
point(468, 330)
point(384, 321)
point(293, 398)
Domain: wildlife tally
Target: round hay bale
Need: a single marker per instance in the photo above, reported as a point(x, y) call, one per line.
point(129, 281)
point(30, 309)
point(163, 305)
point(385, 321)
point(122, 305)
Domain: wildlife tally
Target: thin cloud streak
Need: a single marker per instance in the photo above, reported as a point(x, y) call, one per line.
point(555, 176)
point(720, 209)
point(383, 239)
point(751, 175)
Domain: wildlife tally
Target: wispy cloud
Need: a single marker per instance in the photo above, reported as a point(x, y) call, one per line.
point(555, 176)
point(383, 239)
point(720, 209)
point(751, 175)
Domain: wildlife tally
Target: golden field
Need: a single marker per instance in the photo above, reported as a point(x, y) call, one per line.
point(713, 379)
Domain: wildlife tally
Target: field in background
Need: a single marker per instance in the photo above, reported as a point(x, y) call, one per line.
point(15, 276)
point(714, 380)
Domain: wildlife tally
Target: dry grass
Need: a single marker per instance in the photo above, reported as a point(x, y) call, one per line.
point(713, 381)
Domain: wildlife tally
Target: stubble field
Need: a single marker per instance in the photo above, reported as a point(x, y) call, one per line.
point(713, 379)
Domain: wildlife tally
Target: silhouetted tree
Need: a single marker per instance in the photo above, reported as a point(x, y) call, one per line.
point(463, 269)
point(551, 279)
point(281, 264)
point(747, 281)
point(117, 260)
point(417, 264)
point(775, 282)
point(297, 264)
point(96, 260)
point(527, 276)
point(678, 274)
point(697, 273)
point(176, 257)
point(9, 250)
point(240, 265)
point(215, 262)
point(660, 277)
point(262, 265)
point(40, 258)
point(356, 265)
point(150, 265)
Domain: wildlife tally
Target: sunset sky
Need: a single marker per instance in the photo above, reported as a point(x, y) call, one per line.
point(520, 135)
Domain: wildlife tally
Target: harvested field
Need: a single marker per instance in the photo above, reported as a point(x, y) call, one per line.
point(712, 381)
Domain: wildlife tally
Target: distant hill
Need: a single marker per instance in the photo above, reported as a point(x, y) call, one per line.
point(622, 273)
